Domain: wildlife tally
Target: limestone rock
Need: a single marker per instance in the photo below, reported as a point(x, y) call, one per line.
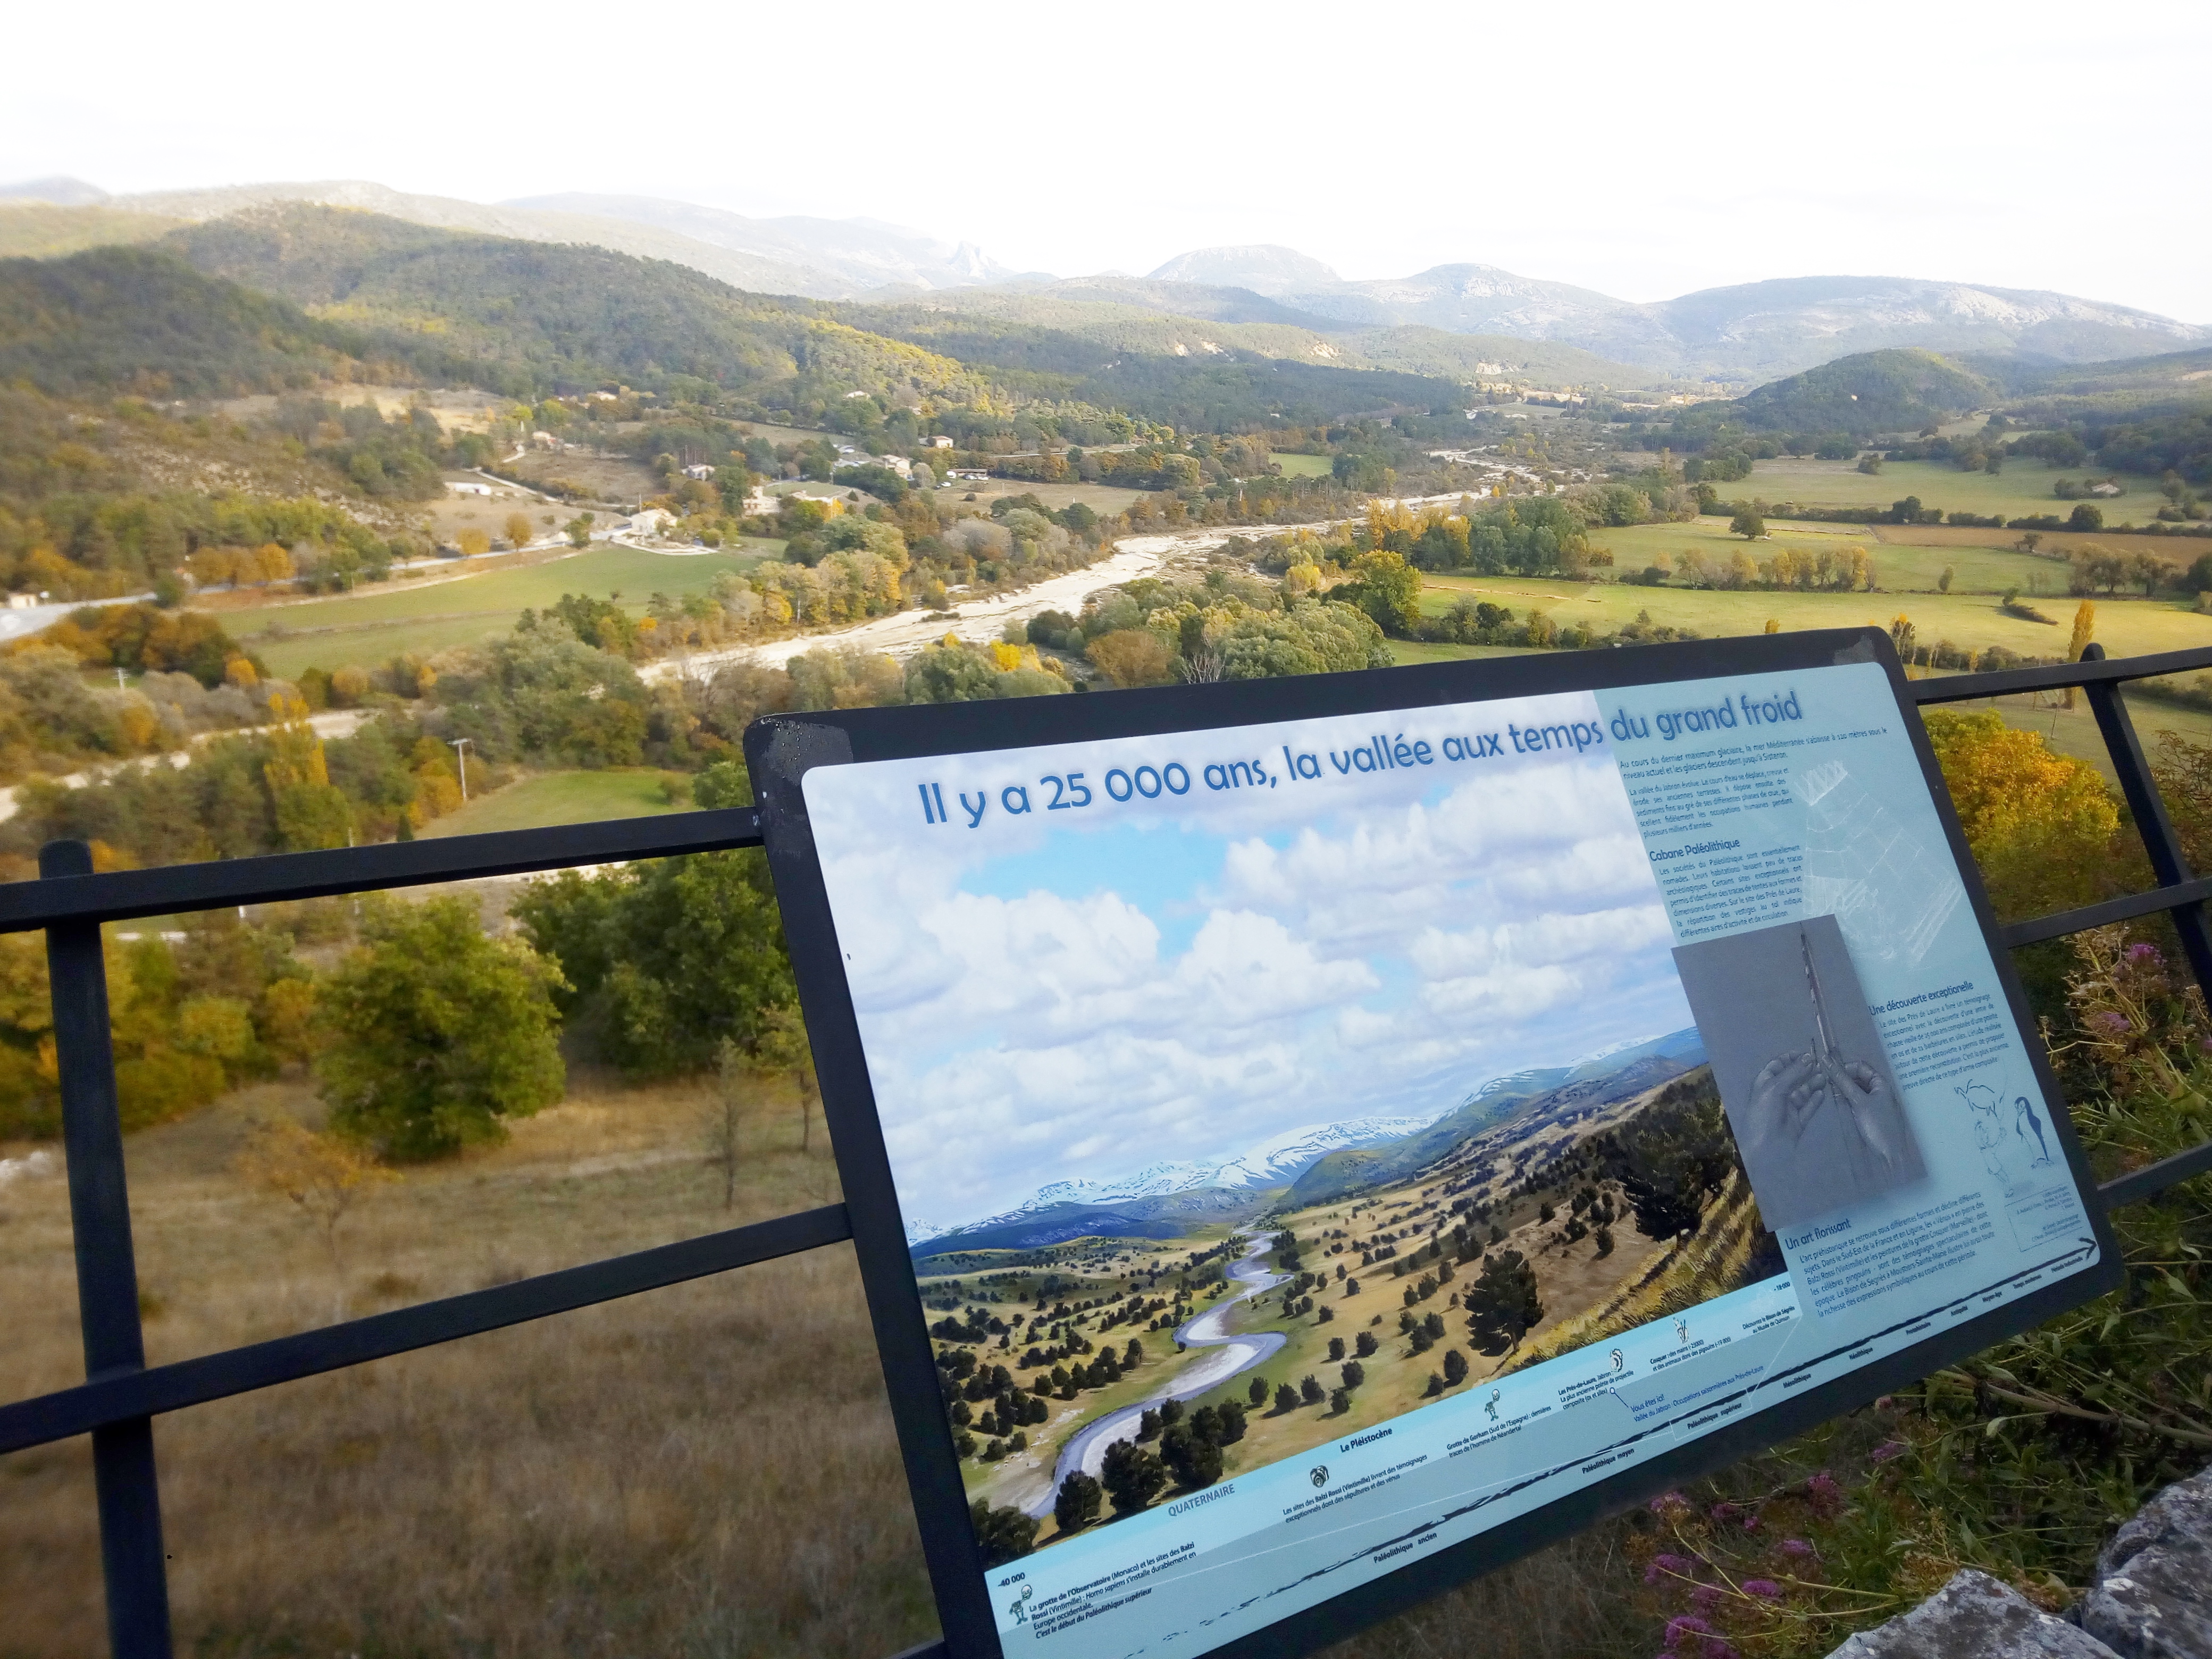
point(1974, 1617)
point(2152, 1595)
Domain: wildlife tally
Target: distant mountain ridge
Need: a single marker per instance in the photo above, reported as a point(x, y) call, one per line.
point(865, 253)
point(815, 258)
point(1755, 330)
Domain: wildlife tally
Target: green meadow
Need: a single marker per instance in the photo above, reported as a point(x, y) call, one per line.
point(425, 616)
point(548, 798)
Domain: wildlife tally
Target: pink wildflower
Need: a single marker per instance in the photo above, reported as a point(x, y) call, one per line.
point(1687, 1627)
point(1669, 1567)
point(1825, 1495)
point(1887, 1450)
point(1765, 1588)
point(1798, 1550)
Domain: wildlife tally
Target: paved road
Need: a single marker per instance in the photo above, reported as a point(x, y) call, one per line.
point(1232, 1355)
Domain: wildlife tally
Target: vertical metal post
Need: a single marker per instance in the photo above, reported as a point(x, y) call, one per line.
point(123, 1476)
point(2168, 864)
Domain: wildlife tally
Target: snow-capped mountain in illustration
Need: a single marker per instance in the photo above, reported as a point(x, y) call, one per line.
point(1280, 1160)
point(1538, 1079)
point(1273, 1162)
point(1276, 1162)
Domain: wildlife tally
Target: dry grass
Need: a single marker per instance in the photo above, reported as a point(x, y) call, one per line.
point(708, 1469)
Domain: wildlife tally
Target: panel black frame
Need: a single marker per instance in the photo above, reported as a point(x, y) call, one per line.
point(782, 749)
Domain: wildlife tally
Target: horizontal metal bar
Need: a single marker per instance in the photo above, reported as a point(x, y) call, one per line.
point(935, 1648)
point(2140, 1184)
point(2039, 928)
point(123, 1396)
point(1964, 687)
point(175, 888)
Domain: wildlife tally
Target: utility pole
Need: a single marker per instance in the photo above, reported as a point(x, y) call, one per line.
point(460, 755)
point(119, 686)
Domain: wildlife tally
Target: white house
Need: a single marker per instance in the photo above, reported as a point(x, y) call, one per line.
point(484, 489)
point(544, 440)
point(975, 474)
point(898, 463)
point(759, 504)
point(700, 472)
point(940, 442)
point(651, 522)
point(22, 602)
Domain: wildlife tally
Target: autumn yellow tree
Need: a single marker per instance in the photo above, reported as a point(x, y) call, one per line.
point(2085, 626)
point(2040, 824)
point(324, 1178)
point(518, 528)
point(474, 541)
point(310, 810)
point(271, 564)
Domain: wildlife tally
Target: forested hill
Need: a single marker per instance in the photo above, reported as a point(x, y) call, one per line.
point(1192, 374)
point(1873, 392)
point(290, 291)
point(118, 318)
point(535, 317)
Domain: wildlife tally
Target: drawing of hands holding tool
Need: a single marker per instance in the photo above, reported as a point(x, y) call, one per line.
point(1819, 1106)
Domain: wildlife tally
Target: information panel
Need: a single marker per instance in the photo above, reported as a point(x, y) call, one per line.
point(1319, 1143)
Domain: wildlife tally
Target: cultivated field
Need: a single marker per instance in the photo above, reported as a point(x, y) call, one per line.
point(2022, 490)
point(1972, 622)
point(532, 802)
point(1301, 466)
point(614, 479)
point(1103, 499)
point(1901, 566)
point(439, 611)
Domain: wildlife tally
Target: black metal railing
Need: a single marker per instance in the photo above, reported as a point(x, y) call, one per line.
point(121, 1395)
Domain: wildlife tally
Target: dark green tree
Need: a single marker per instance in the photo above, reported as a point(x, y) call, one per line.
point(1002, 1533)
point(1075, 1504)
point(681, 952)
point(1502, 1304)
point(1194, 1459)
point(1133, 1477)
point(437, 1035)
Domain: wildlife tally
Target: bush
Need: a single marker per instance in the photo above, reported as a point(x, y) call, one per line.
point(1131, 657)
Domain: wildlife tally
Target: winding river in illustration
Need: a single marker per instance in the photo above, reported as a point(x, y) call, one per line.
point(1231, 1355)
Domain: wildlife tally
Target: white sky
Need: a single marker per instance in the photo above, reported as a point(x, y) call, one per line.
point(1643, 150)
